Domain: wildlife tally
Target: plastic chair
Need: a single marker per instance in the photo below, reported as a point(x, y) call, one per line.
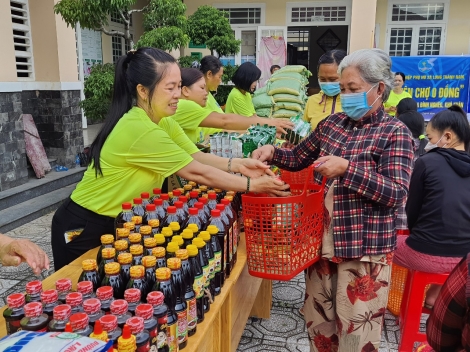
point(412, 307)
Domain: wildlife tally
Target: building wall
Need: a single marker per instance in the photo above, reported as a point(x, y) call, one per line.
point(7, 54)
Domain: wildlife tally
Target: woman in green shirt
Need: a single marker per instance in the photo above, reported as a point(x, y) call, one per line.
point(137, 148)
point(197, 120)
point(245, 80)
point(396, 94)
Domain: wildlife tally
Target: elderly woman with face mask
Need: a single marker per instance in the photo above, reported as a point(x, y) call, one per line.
point(367, 156)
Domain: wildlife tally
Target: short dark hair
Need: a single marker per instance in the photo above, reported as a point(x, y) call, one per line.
point(210, 63)
point(455, 119)
point(414, 121)
point(407, 104)
point(189, 76)
point(402, 75)
point(273, 67)
point(245, 75)
point(332, 57)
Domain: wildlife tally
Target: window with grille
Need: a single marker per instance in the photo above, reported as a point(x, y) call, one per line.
point(22, 39)
point(319, 14)
point(418, 12)
point(243, 15)
point(117, 48)
point(117, 18)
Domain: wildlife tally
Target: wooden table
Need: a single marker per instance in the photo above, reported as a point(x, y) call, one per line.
point(242, 296)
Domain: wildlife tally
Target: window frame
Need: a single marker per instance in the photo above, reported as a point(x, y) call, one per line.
point(332, 3)
point(261, 6)
point(24, 28)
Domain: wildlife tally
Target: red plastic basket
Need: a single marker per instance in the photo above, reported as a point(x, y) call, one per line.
point(283, 235)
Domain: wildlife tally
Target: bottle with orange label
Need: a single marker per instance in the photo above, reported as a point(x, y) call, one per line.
point(113, 278)
point(125, 260)
point(124, 216)
point(174, 264)
point(189, 294)
point(145, 198)
point(165, 286)
point(145, 311)
point(90, 273)
point(34, 319)
point(146, 232)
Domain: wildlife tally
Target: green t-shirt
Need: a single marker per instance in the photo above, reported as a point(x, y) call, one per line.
point(239, 103)
point(189, 115)
point(212, 104)
point(137, 156)
point(394, 99)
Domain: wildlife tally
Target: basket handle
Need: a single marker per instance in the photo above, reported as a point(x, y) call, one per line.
point(312, 169)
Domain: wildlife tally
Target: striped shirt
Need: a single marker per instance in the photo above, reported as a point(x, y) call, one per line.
point(379, 149)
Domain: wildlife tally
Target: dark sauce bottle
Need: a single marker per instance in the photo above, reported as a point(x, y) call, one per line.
point(121, 246)
point(160, 313)
point(138, 208)
point(137, 252)
point(145, 198)
point(145, 311)
point(109, 256)
point(107, 241)
point(174, 264)
point(209, 252)
point(124, 216)
point(14, 313)
point(86, 289)
point(90, 273)
point(142, 336)
point(33, 291)
point(146, 232)
point(125, 260)
point(156, 195)
point(49, 299)
point(149, 244)
point(218, 239)
point(198, 282)
point(63, 287)
point(80, 324)
point(189, 294)
point(138, 281)
point(150, 263)
point(113, 278)
point(165, 286)
point(61, 315)
point(105, 295)
point(75, 300)
point(132, 296)
point(120, 308)
point(34, 319)
point(92, 307)
point(110, 325)
point(159, 253)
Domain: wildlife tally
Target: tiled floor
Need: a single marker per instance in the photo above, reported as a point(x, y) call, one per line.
point(284, 331)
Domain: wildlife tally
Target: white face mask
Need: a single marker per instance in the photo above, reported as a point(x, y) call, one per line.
point(431, 146)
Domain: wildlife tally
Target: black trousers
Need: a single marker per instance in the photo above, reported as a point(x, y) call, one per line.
point(71, 216)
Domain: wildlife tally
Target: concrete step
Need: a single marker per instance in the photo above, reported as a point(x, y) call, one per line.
point(32, 174)
point(37, 187)
point(32, 209)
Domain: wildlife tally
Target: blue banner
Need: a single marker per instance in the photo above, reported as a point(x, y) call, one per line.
point(435, 82)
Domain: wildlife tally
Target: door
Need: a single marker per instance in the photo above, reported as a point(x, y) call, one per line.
point(271, 49)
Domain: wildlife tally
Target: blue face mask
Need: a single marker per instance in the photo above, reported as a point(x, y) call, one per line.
point(355, 104)
point(330, 88)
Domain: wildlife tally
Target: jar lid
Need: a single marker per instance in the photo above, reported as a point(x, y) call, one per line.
point(212, 229)
point(174, 226)
point(136, 325)
point(112, 268)
point(187, 234)
point(163, 274)
point(155, 298)
point(74, 299)
point(171, 210)
point(34, 287)
point(137, 271)
point(104, 293)
point(63, 285)
point(145, 195)
point(135, 238)
point(126, 206)
point(91, 305)
point(137, 200)
point(119, 307)
point(158, 252)
point(16, 300)
point(144, 310)
point(192, 250)
point(132, 295)
point(107, 239)
point(62, 312)
point(49, 296)
point(109, 322)
point(154, 222)
point(121, 245)
point(146, 230)
point(137, 219)
point(124, 258)
point(193, 227)
point(79, 321)
point(129, 225)
point(199, 242)
point(136, 249)
point(122, 232)
point(33, 309)
point(150, 242)
point(149, 261)
point(85, 287)
point(182, 254)
point(205, 235)
point(108, 253)
point(173, 263)
point(167, 231)
point(159, 238)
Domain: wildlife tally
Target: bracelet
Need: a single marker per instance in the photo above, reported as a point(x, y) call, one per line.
point(230, 165)
point(248, 184)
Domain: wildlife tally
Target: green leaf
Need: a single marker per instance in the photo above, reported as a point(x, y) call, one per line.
point(165, 13)
point(166, 38)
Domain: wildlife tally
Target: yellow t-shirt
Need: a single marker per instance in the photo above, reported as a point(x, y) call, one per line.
point(394, 99)
point(137, 156)
point(239, 103)
point(189, 115)
point(320, 106)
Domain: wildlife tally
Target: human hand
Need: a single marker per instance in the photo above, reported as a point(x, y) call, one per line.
point(251, 168)
point(14, 251)
point(331, 166)
point(265, 153)
point(287, 145)
point(273, 186)
point(281, 125)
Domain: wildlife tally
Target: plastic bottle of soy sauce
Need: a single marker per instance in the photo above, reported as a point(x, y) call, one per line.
point(145, 198)
point(201, 215)
point(125, 260)
point(49, 299)
point(160, 313)
point(61, 315)
point(105, 295)
point(107, 241)
point(181, 214)
point(90, 273)
point(149, 244)
point(189, 294)
point(159, 254)
point(63, 287)
point(137, 252)
point(145, 311)
point(172, 217)
point(142, 336)
point(138, 281)
point(219, 235)
point(207, 211)
point(80, 324)
point(132, 296)
point(135, 238)
point(33, 291)
point(113, 278)
point(198, 282)
point(194, 218)
point(92, 307)
point(124, 216)
point(121, 246)
point(34, 319)
point(120, 308)
point(110, 325)
point(160, 210)
point(187, 236)
point(226, 214)
point(14, 313)
point(167, 234)
point(75, 300)
point(146, 231)
point(150, 263)
point(165, 201)
point(86, 289)
point(174, 264)
point(109, 256)
point(156, 194)
point(208, 268)
point(138, 209)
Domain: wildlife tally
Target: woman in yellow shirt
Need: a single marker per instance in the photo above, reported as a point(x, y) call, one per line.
point(137, 148)
point(197, 120)
point(245, 80)
point(396, 94)
point(327, 102)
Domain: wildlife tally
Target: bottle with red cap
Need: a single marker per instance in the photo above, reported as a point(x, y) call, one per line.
point(184, 200)
point(212, 203)
point(138, 208)
point(61, 315)
point(194, 217)
point(33, 291)
point(80, 324)
point(165, 286)
point(151, 214)
point(49, 299)
point(113, 278)
point(109, 323)
point(145, 198)
point(132, 296)
point(160, 210)
point(146, 232)
point(181, 214)
point(124, 216)
point(156, 194)
point(150, 264)
point(107, 241)
point(145, 311)
point(142, 336)
point(34, 319)
point(75, 300)
point(174, 264)
point(235, 228)
point(160, 313)
point(137, 252)
point(63, 287)
point(92, 307)
point(176, 193)
point(165, 201)
point(109, 256)
point(193, 196)
point(226, 216)
point(207, 211)
point(219, 235)
point(138, 281)
point(188, 293)
point(86, 289)
point(120, 308)
point(105, 295)
point(14, 313)
point(201, 215)
point(171, 217)
point(90, 273)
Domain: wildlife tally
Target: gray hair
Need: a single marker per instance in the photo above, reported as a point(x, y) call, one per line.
point(374, 66)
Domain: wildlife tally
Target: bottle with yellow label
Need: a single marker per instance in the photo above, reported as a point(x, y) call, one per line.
point(198, 283)
point(206, 266)
point(189, 294)
point(165, 286)
point(180, 303)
